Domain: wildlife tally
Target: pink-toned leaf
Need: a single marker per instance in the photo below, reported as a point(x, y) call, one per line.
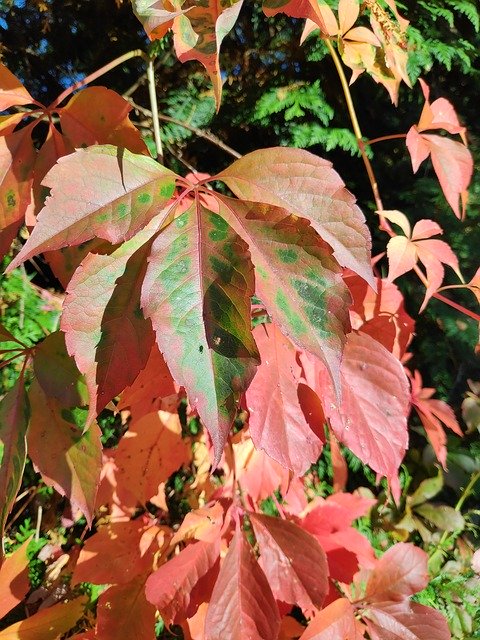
point(334, 622)
point(293, 561)
point(417, 622)
point(306, 186)
point(242, 604)
point(277, 423)
point(12, 91)
point(170, 586)
point(425, 229)
point(398, 218)
point(47, 624)
point(67, 459)
point(418, 148)
point(14, 579)
point(440, 114)
point(402, 256)
point(400, 572)
point(339, 465)
point(124, 608)
point(105, 330)
point(101, 192)
point(320, 13)
point(348, 12)
point(197, 293)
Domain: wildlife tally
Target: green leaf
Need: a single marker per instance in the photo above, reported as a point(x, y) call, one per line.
point(442, 516)
point(426, 490)
point(197, 292)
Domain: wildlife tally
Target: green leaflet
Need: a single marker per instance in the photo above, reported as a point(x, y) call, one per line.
point(197, 292)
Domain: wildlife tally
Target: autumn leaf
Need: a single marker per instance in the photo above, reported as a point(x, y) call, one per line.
point(197, 292)
point(242, 604)
point(415, 622)
point(293, 561)
point(319, 13)
point(14, 579)
point(336, 621)
point(12, 91)
point(48, 623)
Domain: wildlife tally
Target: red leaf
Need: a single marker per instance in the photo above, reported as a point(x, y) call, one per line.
point(170, 586)
point(306, 186)
point(124, 607)
point(277, 423)
point(415, 622)
point(334, 622)
point(14, 579)
point(400, 572)
point(294, 563)
point(321, 14)
point(242, 604)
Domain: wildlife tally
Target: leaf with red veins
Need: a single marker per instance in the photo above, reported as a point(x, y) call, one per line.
point(67, 459)
point(277, 423)
point(105, 330)
point(101, 192)
point(334, 622)
point(12, 91)
point(169, 587)
point(150, 451)
point(242, 604)
point(297, 279)
point(293, 561)
point(412, 622)
point(372, 417)
point(434, 413)
point(197, 293)
point(306, 186)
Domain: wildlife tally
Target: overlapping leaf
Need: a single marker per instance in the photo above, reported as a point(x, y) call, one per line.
point(334, 622)
point(47, 623)
point(417, 622)
point(14, 579)
point(12, 91)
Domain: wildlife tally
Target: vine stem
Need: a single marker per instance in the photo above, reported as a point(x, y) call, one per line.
point(393, 136)
point(154, 107)
point(135, 53)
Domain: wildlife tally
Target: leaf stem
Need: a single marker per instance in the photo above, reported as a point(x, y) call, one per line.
point(393, 136)
point(154, 107)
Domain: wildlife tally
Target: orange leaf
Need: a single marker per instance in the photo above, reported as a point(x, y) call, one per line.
point(14, 579)
point(47, 624)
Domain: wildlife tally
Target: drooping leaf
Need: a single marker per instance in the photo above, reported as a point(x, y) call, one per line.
point(12, 91)
point(111, 342)
point(124, 608)
point(101, 192)
point(276, 420)
point(149, 453)
point(293, 561)
point(170, 586)
point(197, 292)
point(68, 458)
point(14, 579)
point(334, 622)
point(14, 414)
point(308, 187)
point(47, 624)
point(242, 604)
point(298, 281)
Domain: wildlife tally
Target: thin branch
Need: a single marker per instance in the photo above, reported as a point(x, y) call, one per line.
point(154, 106)
point(393, 136)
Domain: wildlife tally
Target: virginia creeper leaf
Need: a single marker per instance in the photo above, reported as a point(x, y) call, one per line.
point(101, 192)
point(334, 622)
point(197, 292)
point(298, 281)
point(14, 414)
point(14, 579)
point(47, 624)
point(105, 330)
point(12, 91)
point(417, 622)
point(68, 459)
point(306, 186)
point(169, 587)
point(293, 561)
point(319, 13)
point(242, 604)
point(277, 423)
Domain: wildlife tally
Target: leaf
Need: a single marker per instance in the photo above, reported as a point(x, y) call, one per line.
point(47, 624)
point(67, 459)
point(306, 186)
point(336, 621)
point(112, 342)
point(155, 16)
point(296, 278)
point(170, 586)
point(319, 13)
point(441, 516)
point(197, 292)
point(418, 622)
point(14, 579)
point(124, 607)
point(400, 572)
point(242, 604)
point(277, 423)
point(201, 524)
point(149, 453)
point(14, 415)
point(12, 91)
point(372, 418)
point(112, 194)
point(292, 560)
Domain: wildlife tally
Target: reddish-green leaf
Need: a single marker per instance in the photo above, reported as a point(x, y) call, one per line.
point(12, 91)
point(306, 186)
point(277, 423)
point(14, 414)
point(170, 586)
point(197, 292)
point(293, 561)
point(242, 604)
point(101, 192)
point(156, 16)
point(124, 608)
point(47, 624)
point(14, 579)
point(104, 326)
point(334, 622)
point(297, 279)
point(68, 459)
point(415, 622)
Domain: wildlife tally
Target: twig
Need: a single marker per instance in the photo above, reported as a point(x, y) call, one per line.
point(39, 522)
point(154, 106)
